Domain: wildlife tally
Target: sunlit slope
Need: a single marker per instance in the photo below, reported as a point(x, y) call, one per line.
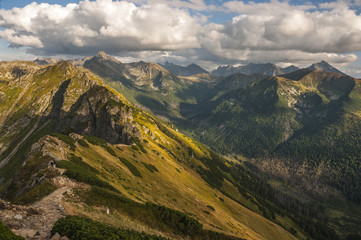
point(98, 138)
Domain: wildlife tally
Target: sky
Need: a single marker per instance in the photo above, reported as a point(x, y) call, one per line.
point(206, 32)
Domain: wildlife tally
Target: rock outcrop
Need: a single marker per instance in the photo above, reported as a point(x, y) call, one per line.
point(99, 113)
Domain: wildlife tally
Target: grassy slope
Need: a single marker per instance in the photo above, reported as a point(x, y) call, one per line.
point(181, 189)
point(175, 184)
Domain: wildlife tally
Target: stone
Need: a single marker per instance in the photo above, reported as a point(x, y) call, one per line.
point(26, 233)
point(18, 216)
point(2, 206)
point(56, 237)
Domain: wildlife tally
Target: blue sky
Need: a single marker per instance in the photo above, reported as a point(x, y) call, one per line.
point(209, 33)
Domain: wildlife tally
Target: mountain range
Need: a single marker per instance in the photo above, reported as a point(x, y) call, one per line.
point(191, 69)
point(269, 69)
point(123, 139)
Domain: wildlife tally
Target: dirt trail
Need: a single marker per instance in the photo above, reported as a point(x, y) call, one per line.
point(36, 221)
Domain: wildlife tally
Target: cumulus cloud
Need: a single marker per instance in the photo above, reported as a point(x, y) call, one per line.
point(102, 24)
point(279, 26)
point(272, 31)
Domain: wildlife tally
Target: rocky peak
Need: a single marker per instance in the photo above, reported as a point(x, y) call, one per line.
point(324, 66)
point(103, 56)
point(99, 113)
point(66, 67)
point(290, 69)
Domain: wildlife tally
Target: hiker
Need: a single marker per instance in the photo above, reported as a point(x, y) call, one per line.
point(52, 163)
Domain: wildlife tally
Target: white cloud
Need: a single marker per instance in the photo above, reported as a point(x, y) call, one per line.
point(279, 32)
point(261, 32)
point(102, 24)
point(279, 26)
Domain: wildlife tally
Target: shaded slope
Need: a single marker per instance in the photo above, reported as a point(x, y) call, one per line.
point(191, 69)
point(266, 69)
point(309, 117)
point(148, 85)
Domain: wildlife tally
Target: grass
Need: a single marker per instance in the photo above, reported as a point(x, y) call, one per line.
point(167, 187)
point(155, 216)
point(37, 193)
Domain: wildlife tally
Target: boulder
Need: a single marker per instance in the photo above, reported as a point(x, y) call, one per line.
point(56, 237)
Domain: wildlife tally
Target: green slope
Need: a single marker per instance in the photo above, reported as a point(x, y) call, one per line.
point(282, 119)
point(140, 163)
point(304, 127)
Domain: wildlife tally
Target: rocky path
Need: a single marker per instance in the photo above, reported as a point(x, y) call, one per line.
point(36, 221)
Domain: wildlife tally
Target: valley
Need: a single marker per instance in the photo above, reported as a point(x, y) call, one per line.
point(254, 155)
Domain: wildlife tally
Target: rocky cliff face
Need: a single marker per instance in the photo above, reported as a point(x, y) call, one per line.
point(63, 94)
point(99, 113)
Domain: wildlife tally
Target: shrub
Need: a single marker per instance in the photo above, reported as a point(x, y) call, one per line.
point(83, 143)
point(150, 167)
point(68, 140)
point(81, 174)
point(37, 193)
point(80, 228)
point(131, 167)
point(79, 161)
point(95, 141)
point(110, 150)
point(6, 234)
point(175, 219)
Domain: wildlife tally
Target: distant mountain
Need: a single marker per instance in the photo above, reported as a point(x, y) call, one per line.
point(223, 71)
point(138, 74)
point(234, 82)
point(267, 69)
point(324, 66)
point(289, 69)
point(148, 84)
point(189, 70)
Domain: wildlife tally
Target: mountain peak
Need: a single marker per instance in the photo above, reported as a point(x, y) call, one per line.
point(324, 66)
point(102, 54)
point(268, 69)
